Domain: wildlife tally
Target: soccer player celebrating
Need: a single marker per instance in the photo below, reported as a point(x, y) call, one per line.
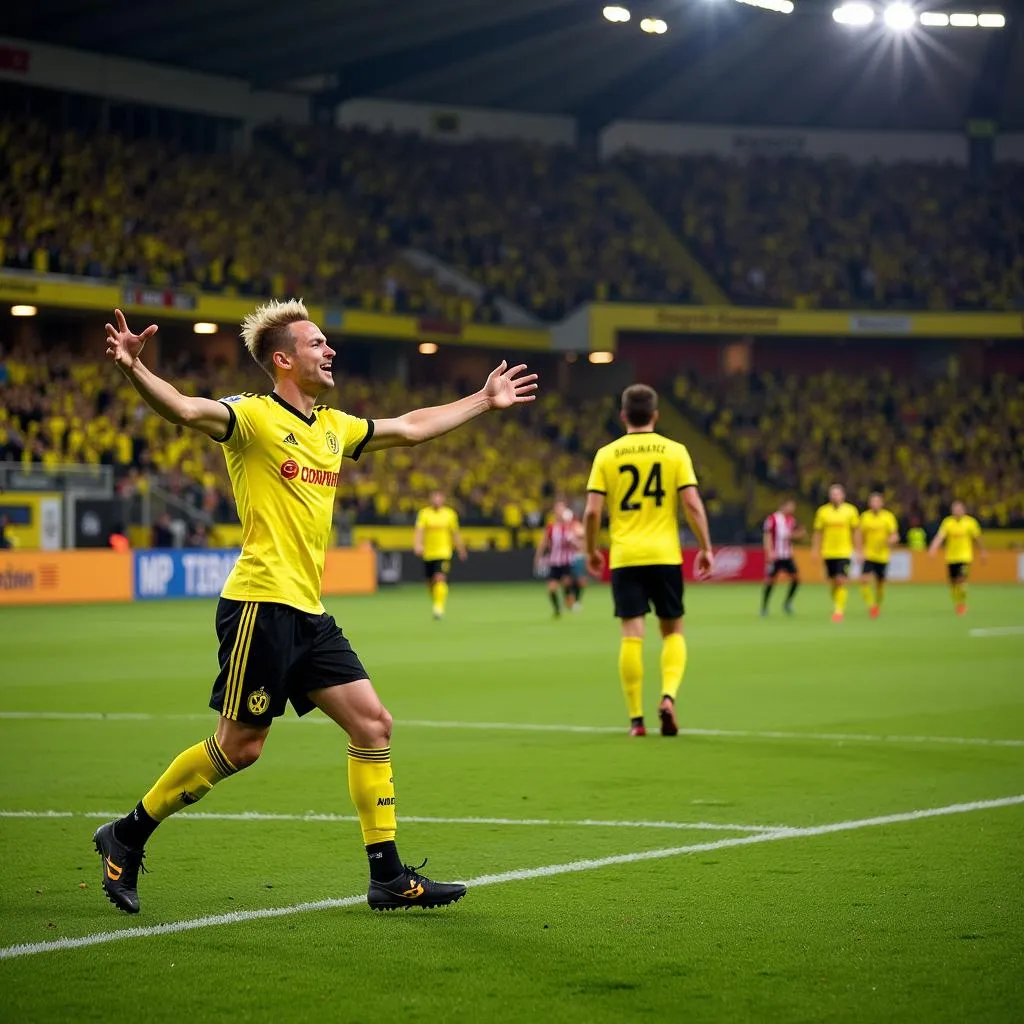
point(780, 530)
point(960, 533)
point(277, 644)
point(557, 547)
point(640, 476)
point(879, 532)
point(437, 535)
point(835, 528)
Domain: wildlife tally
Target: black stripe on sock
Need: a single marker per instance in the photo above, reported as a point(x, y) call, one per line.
point(216, 755)
point(379, 754)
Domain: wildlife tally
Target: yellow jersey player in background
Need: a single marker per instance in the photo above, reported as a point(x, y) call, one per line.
point(278, 645)
point(642, 477)
point(437, 536)
point(960, 533)
point(835, 531)
point(879, 531)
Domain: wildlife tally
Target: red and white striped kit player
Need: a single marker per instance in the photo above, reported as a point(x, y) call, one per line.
point(562, 542)
point(780, 529)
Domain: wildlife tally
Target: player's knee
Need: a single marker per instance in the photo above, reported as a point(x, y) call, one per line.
point(373, 728)
point(242, 751)
point(386, 722)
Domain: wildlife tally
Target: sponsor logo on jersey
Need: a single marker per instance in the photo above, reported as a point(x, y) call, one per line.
point(291, 470)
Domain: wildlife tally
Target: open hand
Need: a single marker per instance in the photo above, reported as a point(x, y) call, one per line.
point(506, 387)
point(123, 346)
point(703, 564)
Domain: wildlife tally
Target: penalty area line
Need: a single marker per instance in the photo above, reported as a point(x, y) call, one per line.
point(997, 631)
point(414, 819)
point(517, 875)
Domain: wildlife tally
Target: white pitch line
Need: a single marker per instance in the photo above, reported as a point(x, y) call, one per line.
point(415, 723)
point(313, 816)
point(998, 631)
point(518, 875)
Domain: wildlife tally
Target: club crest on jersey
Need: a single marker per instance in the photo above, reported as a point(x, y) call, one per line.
point(332, 442)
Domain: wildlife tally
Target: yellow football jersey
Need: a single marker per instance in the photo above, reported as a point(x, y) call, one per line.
point(284, 470)
point(439, 526)
point(641, 476)
point(960, 534)
point(836, 526)
point(877, 528)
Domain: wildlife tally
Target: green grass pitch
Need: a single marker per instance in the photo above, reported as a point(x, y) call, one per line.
point(796, 723)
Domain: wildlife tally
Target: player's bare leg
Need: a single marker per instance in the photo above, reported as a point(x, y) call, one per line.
point(393, 885)
point(189, 777)
point(631, 673)
point(553, 597)
point(794, 586)
point(673, 667)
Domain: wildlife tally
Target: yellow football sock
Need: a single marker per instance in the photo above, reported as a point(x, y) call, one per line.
point(879, 593)
point(372, 788)
point(189, 777)
point(865, 590)
point(954, 589)
point(673, 663)
point(840, 596)
point(631, 673)
point(439, 596)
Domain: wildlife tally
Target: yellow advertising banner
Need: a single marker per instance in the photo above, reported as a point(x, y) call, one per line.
point(65, 577)
point(608, 320)
point(58, 292)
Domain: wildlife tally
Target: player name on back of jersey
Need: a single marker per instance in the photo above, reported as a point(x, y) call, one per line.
point(650, 448)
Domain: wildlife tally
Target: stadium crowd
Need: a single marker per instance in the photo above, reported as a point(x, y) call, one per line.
point(107, 207)
point(56, 409)
point(539, 225)
point(807, 233)
point(921, 441)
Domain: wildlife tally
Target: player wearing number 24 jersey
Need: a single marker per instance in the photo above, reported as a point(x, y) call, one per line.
point(641, 478)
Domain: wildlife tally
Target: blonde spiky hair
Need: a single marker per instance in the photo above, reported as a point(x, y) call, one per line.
point(265, 330)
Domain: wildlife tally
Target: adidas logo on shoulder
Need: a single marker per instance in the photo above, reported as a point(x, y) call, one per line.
point(290, 439)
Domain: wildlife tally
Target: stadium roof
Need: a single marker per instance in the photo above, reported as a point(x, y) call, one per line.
point(719, 61)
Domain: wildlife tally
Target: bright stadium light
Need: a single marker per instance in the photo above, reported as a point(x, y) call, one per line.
point(428, 348)
point(601, 358)
point(991, 21)
point(778, 6)
point(853, 14)
point(204, 328)
point(23, 310)
point(934, 19)
point(653, 26)
point(899, 16)
point(616, 14)
point(963, 20)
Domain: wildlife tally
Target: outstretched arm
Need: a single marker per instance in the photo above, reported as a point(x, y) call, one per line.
point(124, 348)
point(503, 388)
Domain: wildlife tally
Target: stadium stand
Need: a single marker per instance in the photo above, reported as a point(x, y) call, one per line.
point(108, 207)
point(922, 441)
point(803, 233)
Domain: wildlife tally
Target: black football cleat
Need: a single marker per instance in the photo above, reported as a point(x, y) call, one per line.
point(121, 866)
point(667, 714)
point(411, 889)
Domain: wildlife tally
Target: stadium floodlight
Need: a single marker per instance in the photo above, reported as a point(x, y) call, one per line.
point(24, 310)
point(963, 20)
point(204, 328)
point(778, 6)
point(616, 14)
point(991, 21)
point(853, 14)
point(601, 358)
point(899, 16)
point(428, 348)
point(653, 26)
point(934, 19)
